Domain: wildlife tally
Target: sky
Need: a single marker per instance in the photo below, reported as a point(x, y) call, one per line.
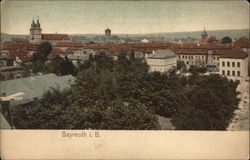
point(123, 17)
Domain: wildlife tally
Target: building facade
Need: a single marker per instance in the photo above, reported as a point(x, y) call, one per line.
point(234, 66)
point(35, 32)
point(162, 61)
point(36, 35)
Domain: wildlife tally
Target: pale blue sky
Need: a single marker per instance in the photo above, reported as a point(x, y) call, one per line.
point(130, 17)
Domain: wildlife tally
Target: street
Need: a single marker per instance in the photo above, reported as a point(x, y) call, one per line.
point(241, 119)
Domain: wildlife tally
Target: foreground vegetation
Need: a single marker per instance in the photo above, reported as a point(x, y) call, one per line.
point(122, 94)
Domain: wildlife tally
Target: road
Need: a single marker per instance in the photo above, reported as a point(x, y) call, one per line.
point(241, 119)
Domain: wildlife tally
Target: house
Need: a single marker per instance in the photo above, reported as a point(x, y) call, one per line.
point(234, 65)
point(192, 56)
point(162, 61)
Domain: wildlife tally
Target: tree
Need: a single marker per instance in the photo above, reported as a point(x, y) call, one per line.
point(181, 65)
point(132, 56)
point(102, 62)
point(122, 94)
point(61, 66)
point(55, 65)
point(212, 102)
point(43, 50)
point(91, 59)
point(40, 57)
point(58, 110)
point(67, 67)
point(226, 40)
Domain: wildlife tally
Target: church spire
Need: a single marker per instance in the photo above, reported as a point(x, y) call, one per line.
point(38, 23)
point(33, 23)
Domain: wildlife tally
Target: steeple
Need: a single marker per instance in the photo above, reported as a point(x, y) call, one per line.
point(33, 24)
point(37, 23)
point(204, 33)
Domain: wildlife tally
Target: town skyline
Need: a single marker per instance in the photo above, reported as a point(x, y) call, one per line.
point(124, 17)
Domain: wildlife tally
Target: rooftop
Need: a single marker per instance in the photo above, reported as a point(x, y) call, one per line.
point(163, 54)
point(35, 86)
point(69, 44)
point(234, 55)
point(55, 37)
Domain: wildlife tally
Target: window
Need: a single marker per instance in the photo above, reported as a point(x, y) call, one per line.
point(238, 73)
point(233, 73)
point(238, 64)
point(223, 72)
point(233, 64)
point(214, 58)
point(228, 64)
point(183, 57)
point(187, 62)
point(228, 73)
point(223, 63)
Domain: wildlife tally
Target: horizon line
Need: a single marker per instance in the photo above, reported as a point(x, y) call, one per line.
point(127, 33)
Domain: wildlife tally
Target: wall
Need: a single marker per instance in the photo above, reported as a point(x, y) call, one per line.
point(161, 65)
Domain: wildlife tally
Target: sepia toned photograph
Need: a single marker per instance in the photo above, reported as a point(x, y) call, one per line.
point(124, 79)
point(125, 65)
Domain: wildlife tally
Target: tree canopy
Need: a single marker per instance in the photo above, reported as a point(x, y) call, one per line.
point(43, 50)
point(123, 94)
point(226, 40)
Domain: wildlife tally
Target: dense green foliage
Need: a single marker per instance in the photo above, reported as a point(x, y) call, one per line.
point(181, 65)
point(43, 50)
point(122, 94)
point(212, 101)
point(200, 69)
point(59, 66)
point(226, 40)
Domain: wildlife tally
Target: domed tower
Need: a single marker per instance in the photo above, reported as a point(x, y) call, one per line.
point(35, 32)
point(204, 36)
point(108, 32)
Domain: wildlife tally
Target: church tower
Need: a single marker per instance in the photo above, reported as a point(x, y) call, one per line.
point(108, 32)
point(35, 32)
point(204, 36)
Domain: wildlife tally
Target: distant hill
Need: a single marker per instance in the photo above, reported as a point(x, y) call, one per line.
point(8, 37)
point(171, 36)
point(195, 34)
point(167, 36)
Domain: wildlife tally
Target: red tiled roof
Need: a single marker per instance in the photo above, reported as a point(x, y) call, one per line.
point(24, 57)
point(234, 54)
point(192, 51)
point(242, 42)
point(60, 51)
point(55, 37)
point(136, 47)
point(69, 44)
point(32, 47)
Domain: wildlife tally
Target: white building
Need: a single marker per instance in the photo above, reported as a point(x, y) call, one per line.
point(234, 66)
point(162, 61)
point(192, 56)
